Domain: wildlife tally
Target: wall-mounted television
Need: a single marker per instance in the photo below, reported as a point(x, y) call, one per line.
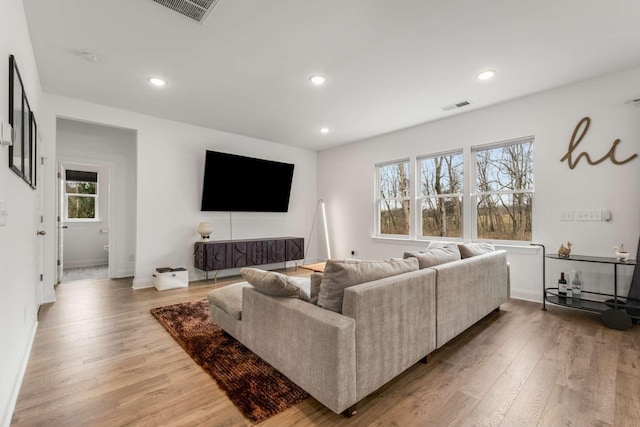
point(234, 183)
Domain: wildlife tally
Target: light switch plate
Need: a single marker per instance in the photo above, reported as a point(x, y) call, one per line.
point(588, 215)
point(566, 215)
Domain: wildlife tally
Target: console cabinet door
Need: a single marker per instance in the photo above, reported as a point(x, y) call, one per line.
point(257, 252)
point(294, 249)
point(236, 254)
point(276, 251)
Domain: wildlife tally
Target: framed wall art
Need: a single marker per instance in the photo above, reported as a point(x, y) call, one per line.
point(22, 151)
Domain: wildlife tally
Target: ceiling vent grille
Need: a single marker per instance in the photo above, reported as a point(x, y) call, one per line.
point(198, 10)
point(633, 101)
point(456, 105)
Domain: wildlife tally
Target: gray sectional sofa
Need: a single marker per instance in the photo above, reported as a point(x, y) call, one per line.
point(385, 325)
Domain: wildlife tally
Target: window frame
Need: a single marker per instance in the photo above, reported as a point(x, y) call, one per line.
point(95, 196)
point(420, 197)
point(474, 194)
point(378, 199)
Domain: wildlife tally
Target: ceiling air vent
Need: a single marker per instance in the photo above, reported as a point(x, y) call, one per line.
point(456, 105)
point(198, 10)
point(633, 101)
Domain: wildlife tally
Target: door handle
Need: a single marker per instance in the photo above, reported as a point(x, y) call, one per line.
point(64, 226)
point(41, 233)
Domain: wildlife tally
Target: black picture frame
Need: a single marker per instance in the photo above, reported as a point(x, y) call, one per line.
point(15, 117)
point(33, 138)
point(22, 151)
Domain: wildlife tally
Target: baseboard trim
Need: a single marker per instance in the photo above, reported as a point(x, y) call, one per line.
point(15, 390)
point(139, 283)
point(526, 295)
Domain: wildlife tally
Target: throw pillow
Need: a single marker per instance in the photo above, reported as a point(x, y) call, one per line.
point(277, 284)
point(439, 244)
point(435, 256)
point(468, 250)
point(341, 274)
point(316, 279)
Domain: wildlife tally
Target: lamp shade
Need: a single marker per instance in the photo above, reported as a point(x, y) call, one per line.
point(205, 229)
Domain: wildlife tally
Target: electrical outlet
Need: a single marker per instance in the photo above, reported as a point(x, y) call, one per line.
point(588, 215)
point(566, 215)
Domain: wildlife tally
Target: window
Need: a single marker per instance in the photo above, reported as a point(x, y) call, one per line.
point(440, 195)
point(393, 198)
point(81, 191)
point(504, 190)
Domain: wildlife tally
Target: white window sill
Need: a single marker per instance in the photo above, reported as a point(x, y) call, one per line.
point(515, 247)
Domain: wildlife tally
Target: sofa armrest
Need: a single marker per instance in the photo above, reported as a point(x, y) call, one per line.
point(313, 347)
point(469, 289)
point(396, 325)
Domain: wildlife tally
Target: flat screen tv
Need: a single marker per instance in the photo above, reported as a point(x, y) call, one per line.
point(235, 183)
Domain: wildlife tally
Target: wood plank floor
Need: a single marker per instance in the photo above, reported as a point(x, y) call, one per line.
point(100, 359)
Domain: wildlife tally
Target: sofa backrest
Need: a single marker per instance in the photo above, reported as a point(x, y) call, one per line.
point(395, 325)
point(467, 290)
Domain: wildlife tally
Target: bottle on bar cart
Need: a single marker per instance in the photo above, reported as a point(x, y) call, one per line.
point(562, 288)
point(576, 286)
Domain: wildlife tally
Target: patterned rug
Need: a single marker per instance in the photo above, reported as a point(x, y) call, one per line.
point(256, 388)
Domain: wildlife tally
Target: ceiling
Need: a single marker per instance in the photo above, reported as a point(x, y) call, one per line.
point(388, 64)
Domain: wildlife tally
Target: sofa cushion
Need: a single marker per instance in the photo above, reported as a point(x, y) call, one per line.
point(435, 256)
point(341, 274)
point(316, 279)
point(228, 299)
point(468, 250)
point(277, 284)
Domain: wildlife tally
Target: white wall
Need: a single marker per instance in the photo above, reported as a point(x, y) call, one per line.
point(170, 165)
point(346, 176)
point(112, 151)
point(19, 289)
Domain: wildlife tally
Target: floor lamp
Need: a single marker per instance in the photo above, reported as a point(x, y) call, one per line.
point(319, 207)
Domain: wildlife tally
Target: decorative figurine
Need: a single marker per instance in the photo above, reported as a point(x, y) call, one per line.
point(621, 253)
point(564, 252)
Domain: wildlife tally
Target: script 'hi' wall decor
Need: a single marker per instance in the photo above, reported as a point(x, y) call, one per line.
point(22, 152)
point(573, 144)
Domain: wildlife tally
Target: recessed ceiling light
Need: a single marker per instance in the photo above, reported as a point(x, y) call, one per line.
point(324, 130)
point(486, 75)
point(317, 80)
point(88, 57)
point(157, 81)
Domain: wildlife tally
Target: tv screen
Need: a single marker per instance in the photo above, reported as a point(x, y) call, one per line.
point(235, 183)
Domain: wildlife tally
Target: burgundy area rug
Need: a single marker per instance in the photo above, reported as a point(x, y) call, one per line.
point(254, 386)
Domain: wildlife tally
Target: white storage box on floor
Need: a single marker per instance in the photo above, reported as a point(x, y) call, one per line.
point(170, 278)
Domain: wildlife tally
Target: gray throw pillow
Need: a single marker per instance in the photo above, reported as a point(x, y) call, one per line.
point(277, 284)
point(439, 244)
point(316, 279)
point(435, 256)
point(468, 250)
point(341, 274)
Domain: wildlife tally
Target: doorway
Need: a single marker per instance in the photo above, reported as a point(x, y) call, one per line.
point(83, 221)
point(96, 200)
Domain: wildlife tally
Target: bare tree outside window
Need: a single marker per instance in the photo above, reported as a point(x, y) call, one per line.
point(81, 190)
point(440, 201)
point(393, 193)
point(504, 191)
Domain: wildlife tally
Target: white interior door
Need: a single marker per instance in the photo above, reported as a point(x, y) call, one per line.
point(39, 173)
